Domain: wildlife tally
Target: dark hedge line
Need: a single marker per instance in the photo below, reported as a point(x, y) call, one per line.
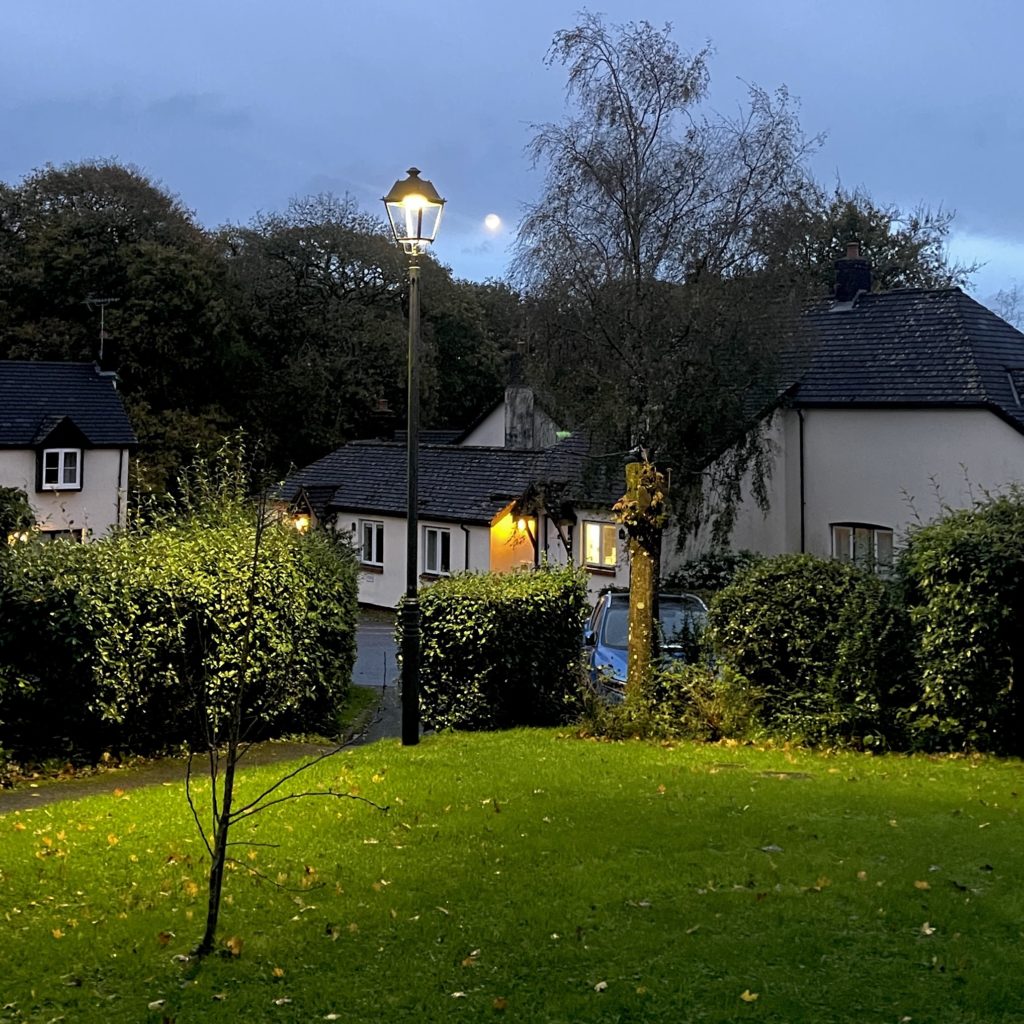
point(502, 649)
point(138, 641)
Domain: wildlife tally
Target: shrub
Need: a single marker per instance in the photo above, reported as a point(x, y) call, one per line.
point(824, 645)
point(139, 640)
point(680, 701)
point(502, 649)
point(965, 586)
point(709, 573)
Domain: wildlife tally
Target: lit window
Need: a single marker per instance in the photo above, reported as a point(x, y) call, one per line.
point(437, 551)
point(62, 469)
point(372, 550)
point(599, 545)
point(868, 546)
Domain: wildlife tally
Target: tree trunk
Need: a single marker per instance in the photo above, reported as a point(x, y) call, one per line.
point(644, 556)
point(218, 860)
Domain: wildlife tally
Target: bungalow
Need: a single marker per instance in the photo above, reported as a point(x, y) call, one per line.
point(909, 402)
point(508, 491)
point(65, 440)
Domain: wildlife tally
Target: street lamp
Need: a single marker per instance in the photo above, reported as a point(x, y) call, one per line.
point(414, 212)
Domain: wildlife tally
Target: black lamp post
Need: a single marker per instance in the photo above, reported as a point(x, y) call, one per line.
point(414, 212)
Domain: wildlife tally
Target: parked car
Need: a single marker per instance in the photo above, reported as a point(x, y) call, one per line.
point(681, 620)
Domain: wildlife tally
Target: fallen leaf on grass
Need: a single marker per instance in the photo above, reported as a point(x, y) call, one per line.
point(749, 997)
point(921, 885)
point(927, 929)
point(234, 945)
point(156, 1004)
point(600, 986)
point(500, 1003)
point(458, 995)
point(283, 1001)
point(278, 972)
point(164, 937)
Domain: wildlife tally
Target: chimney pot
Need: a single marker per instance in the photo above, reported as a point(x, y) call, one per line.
point(853, 274)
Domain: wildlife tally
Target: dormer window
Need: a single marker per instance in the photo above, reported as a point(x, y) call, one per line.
point(62, 469)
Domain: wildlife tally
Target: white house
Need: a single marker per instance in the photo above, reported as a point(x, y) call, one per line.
point(908, 402)
point(510, 491)
point(65, 440)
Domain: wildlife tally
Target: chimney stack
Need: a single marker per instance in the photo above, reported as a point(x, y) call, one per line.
point(853, 274)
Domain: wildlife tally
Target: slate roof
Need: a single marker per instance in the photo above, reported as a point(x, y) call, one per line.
point(36, 396)
point(912, 347)
point(456, 483)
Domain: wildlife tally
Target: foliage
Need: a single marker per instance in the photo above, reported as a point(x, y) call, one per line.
point(965, 586)
point(16, 515)
point(824, 644)
point(708, 573)
point(139, 640)
point(522, 869)
point(640, 262)
point(681, 700)
point(101, 230)
point(502, 649)
point(906, 249)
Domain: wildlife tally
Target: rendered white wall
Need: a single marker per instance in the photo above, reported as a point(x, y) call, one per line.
point(100, 505)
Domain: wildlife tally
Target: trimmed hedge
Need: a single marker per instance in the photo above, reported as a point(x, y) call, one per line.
point(825, 646)
point(502, 649)
point(138, 641)
point(965, 588)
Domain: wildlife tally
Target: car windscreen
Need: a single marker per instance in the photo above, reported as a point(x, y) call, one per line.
point(680, 621)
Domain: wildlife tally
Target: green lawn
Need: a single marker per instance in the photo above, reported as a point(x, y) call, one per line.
point(530, 876)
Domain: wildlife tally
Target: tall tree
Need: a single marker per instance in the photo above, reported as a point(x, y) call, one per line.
point(99, 230)
point(656, 316)
point(906, 248)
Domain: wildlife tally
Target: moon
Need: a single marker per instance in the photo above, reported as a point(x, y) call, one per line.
point(492, 222)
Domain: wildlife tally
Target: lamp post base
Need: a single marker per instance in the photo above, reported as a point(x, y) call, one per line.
point(410, 671)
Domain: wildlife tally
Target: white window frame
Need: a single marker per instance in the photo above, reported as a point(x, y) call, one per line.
point(435, 562)
point(61, 458)
point(864, 544)
point(371, 530)
point(607, 545)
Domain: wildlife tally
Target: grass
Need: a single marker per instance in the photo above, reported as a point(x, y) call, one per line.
point(529, 876)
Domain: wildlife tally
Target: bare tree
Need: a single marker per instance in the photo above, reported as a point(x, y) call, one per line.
point(657, 319)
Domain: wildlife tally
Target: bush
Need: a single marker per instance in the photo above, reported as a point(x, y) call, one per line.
point(825, 646)
point(693, 701)
point(965, 587)
point(502, 649)
point(709, 573)
point(139, 641)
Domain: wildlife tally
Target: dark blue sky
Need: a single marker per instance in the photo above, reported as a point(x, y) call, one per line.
point(237, 105)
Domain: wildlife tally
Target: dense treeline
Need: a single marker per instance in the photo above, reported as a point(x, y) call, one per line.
point(292, 327)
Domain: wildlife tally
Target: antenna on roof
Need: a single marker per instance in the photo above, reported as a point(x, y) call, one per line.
point(102, 303)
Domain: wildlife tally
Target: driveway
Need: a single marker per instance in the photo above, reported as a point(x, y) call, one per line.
point(377, 654)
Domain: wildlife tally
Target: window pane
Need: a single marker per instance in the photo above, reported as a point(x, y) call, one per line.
point(51, 463)
point(71, 467)
point(367, 542)
point(446, 551)
point(431, 562)
point(608, 553)
point(883, 553)
point(592, 543)
point(379, 552)
point(863, 546)
point(841, 543)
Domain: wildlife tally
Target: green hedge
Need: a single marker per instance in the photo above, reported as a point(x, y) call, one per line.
point(826, 648)
point(965, 587)
point(138, 641)
point(502, 649)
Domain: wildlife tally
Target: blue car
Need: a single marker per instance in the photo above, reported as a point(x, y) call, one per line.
point(681, 619)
